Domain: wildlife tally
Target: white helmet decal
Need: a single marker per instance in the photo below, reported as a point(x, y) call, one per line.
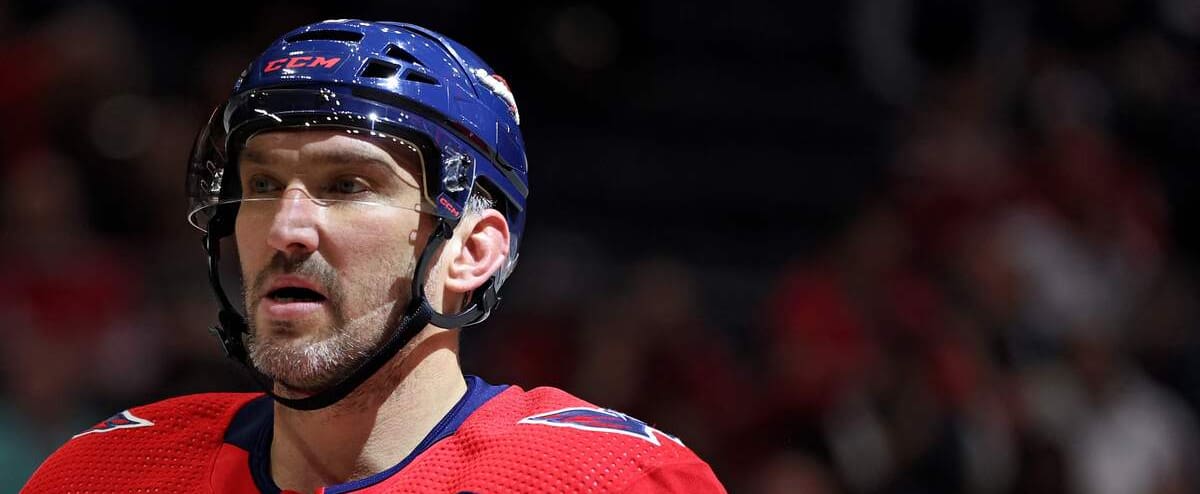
point(498, 85)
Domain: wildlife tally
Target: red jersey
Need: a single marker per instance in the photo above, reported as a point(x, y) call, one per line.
point(495, 439)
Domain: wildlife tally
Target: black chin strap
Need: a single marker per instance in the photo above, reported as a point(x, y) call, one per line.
point(233, 327)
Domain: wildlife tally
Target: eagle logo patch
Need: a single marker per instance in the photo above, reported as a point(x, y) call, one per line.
point(123, 420)
point(599, 420)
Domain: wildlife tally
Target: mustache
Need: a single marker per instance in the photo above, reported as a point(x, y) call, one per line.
point(310, 267)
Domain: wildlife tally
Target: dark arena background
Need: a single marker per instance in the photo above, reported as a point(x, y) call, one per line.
point(875, 246)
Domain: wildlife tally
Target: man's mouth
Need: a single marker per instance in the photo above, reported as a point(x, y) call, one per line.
point(293, 298)
point(289, 294)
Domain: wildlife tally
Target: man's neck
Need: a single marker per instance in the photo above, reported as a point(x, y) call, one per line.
point(375, 427)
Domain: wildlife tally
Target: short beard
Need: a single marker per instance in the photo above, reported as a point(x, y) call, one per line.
point(310, 364)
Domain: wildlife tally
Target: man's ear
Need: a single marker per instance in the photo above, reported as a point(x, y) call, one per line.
point(483, 252)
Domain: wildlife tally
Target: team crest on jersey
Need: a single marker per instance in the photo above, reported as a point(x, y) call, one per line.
point(599, 420)
point(123, 420)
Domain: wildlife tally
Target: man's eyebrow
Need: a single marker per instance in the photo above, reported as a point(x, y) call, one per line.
point(351, 157)
point(261, 159)
point(251, 154)
point(330, 156)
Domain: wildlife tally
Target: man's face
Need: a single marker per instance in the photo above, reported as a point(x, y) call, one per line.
point(324, 235)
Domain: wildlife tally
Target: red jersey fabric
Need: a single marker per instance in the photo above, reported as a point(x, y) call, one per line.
point(498, 439)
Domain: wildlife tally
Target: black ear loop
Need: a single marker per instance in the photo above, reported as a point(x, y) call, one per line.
point(232, 327)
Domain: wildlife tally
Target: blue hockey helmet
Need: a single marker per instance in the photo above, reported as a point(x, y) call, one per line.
point(392, 78)
point(377, 78)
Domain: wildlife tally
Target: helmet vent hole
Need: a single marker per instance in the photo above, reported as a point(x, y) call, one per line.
point(327, 35)
point(399, 54)
point(415, 76)
point(379, 69)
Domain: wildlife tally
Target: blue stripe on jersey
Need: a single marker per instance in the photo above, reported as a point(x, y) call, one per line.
point(252, 427)
point(244, 428)
point(251, 430)
point(478, 393)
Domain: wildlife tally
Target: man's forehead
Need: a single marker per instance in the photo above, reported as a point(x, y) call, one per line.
point(329, 146)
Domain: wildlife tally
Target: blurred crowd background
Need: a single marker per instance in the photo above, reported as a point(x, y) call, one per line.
point(876, 246)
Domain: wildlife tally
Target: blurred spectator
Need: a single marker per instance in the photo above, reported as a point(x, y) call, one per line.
point(1120, 432)
point(654, 353)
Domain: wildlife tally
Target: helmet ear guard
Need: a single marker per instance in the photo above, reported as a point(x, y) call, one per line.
point(332, 75)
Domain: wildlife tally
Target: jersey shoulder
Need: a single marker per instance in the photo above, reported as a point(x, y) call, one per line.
point(169, 445)
point(546, 440)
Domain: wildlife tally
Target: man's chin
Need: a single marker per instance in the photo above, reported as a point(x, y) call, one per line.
point(299, 368)
point(303, 360)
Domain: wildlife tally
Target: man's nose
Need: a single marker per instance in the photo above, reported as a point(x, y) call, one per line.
point(294, 229)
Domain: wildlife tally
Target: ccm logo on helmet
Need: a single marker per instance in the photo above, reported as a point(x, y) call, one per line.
point(445, 203)
point(301, 62)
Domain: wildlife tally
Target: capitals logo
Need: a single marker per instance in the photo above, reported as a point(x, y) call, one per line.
point(123, 420)
point(599, 420)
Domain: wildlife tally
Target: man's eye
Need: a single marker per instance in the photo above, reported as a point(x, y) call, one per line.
point(261, 185)
point(349, 185)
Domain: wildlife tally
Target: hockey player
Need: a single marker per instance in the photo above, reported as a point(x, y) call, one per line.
point(373, 179)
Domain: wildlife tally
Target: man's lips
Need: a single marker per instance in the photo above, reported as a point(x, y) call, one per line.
point(292, 297)
point(281, 284)
point(289, 310)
